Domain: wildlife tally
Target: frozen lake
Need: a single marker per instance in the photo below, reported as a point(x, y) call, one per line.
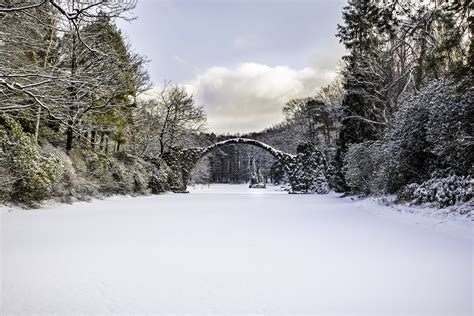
point(228, 249)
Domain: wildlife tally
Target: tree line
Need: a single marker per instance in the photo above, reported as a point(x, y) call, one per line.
point(397, 119)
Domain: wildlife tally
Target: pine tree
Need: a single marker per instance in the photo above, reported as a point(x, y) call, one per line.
point(363, 104)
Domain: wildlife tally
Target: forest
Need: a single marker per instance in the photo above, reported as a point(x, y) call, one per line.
point(74, 122)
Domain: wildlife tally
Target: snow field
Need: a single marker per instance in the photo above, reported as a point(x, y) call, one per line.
point(227, 249)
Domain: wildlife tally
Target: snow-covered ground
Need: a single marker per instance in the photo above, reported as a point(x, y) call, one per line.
point(227, 250)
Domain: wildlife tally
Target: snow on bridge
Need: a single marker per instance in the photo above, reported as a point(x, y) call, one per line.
point(275, 152)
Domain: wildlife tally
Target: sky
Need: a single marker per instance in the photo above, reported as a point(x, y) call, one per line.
point(241, 59)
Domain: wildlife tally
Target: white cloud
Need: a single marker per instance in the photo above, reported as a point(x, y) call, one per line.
point(251, 96)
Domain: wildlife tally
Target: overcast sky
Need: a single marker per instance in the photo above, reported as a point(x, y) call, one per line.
point(242, 59)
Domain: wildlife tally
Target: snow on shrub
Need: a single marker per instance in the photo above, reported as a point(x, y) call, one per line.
point(7, 179)
point(68, 179)
point(441, 192)
point(136, 170)
point(31, 175)
point(366, 168)
point(449, 126)
point(109, 175)
point(432, 131)
point(158, 182)
point(307, 170)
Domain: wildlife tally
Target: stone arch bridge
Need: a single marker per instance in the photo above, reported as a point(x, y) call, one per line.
point(306, 170)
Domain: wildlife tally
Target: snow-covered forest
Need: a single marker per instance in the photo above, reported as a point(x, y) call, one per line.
point(77, 123)
point(396, 120)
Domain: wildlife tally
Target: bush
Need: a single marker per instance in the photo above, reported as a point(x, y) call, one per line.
point(441, 192)
point(30, 175)
point(68, 182)
point(51, 136)
point(172, 160)
point(449, 129)
point(135, 171)
point(432, 132)
point(307, 173)
point(121, 174)
point(366, 169)
point(7, 179)
point(159, 180)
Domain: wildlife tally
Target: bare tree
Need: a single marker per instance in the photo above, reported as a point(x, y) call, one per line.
point(333, 93)
point(170, 119)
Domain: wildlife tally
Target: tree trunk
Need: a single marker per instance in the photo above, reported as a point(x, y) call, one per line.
point(101, 143)
point(93, 138)
point(69, 137)
point(421, 58)
point(162, 146)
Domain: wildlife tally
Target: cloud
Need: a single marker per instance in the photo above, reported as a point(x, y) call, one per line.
point(251, 96)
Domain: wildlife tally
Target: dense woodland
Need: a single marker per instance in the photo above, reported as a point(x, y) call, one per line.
point(396, 120)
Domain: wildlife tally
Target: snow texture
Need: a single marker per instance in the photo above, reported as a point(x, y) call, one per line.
point(227, 249)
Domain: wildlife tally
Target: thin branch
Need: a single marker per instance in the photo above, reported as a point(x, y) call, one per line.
point(4, 8)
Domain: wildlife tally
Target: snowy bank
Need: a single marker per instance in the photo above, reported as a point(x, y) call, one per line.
point(449, 220)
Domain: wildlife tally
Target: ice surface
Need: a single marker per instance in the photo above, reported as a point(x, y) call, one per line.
point(228, 249)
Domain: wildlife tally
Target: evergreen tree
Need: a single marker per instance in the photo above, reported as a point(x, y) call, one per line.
point(363, 105)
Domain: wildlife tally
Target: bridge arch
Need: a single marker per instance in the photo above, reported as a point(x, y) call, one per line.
point(278, 154)
point(305, 170)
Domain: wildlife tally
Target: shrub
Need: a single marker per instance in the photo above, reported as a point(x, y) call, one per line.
point(51, 136)
point(121, 174)
point(307, 173)
point(158, 181)
point(107, 174)
point(365, 168)
point(441, 192)
point(7, 179)
point(432, 131)
point(135, 171)
point(32, 175)
point(449, 128)
point(68, 181)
